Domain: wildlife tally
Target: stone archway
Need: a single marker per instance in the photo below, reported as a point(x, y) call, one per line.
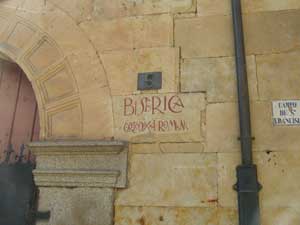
point(74, 102)
point(67, 76)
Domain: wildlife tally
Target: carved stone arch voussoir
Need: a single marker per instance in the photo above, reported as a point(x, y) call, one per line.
point(48, 68)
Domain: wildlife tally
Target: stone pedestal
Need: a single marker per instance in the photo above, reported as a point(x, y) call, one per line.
point(77, 179)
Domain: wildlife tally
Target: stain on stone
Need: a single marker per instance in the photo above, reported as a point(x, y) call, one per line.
point(212, 200)
point(141, 221)
point(161, 218)
point(269, 160)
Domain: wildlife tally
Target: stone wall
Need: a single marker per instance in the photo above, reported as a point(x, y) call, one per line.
point(184, 137)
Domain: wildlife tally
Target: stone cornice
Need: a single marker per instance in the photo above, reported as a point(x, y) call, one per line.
point(77, 147)
point(76, 178)
point(80, 163)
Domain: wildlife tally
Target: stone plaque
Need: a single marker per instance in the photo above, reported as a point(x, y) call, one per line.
point(286, 113)
point(168, 117)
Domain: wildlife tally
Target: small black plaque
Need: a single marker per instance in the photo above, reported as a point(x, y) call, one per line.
point(150, 81)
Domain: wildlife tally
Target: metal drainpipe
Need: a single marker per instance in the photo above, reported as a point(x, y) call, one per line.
point(247, 184)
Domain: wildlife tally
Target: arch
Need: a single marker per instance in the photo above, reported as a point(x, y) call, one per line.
point(67, 76)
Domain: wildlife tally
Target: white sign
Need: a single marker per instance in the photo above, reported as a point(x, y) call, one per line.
point(286, 113)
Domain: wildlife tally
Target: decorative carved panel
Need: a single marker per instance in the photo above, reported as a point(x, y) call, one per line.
point(58, 83)
point(43, 55)
point(20, 35)
point(65, 121)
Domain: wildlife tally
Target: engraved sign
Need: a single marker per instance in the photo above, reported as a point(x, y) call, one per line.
point(171, 116)
point(286, 113)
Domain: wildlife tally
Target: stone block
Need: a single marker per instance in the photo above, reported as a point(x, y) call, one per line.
point(207, 36)
point(187, 180)
point(106, 9)
point(212, 36)
point(64, 120)
point(223, 7)
point(194, 147)
point(278, 173)
point(130, 32)
point(269, 5)
point(278, 76)
point(147, 148)
point(163, 117)
point(272, 32)
point(78, 9)
point(89, 64)
point(223, 129)
point(122, 68)
point(213, 7)
point(216, 77)
point(174, 216)
point(282, 216)
point(97, 108)
point(222, 126)
point(80, 206)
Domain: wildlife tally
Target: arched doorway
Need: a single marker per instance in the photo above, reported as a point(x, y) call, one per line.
point(18, 110)
point(18, 125)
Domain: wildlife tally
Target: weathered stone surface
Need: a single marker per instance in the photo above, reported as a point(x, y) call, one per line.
point(212, 36)
point(272, 32)
point(118, 8)
point(80, 206)
point(147, 148)
point(278, 76)
point(130, 32)
point(96, 105)
point(204, 36)
point(89, 64)
point(12, 3)
point(78, 9)
point(278, 173)
point(284, 216)
point(223, 7)
point(163, 118)
point(222, 127)
point(106, 9)
point(269, 137)
point(80, 163)
point(204, 216)
point(122, 68)
point(217, 77)
point(174, 216)
point(171, 180)
point(194, 147)
point(269, 5)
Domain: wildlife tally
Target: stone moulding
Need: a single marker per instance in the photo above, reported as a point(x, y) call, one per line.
point(80, 163)
point(76, 178)
point(77, 147)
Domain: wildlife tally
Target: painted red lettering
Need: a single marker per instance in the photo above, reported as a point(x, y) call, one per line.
point(156, 103)
point(128, 107)
point(175, 104)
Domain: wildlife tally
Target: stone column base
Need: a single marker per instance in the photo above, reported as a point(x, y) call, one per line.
point(77, 180)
